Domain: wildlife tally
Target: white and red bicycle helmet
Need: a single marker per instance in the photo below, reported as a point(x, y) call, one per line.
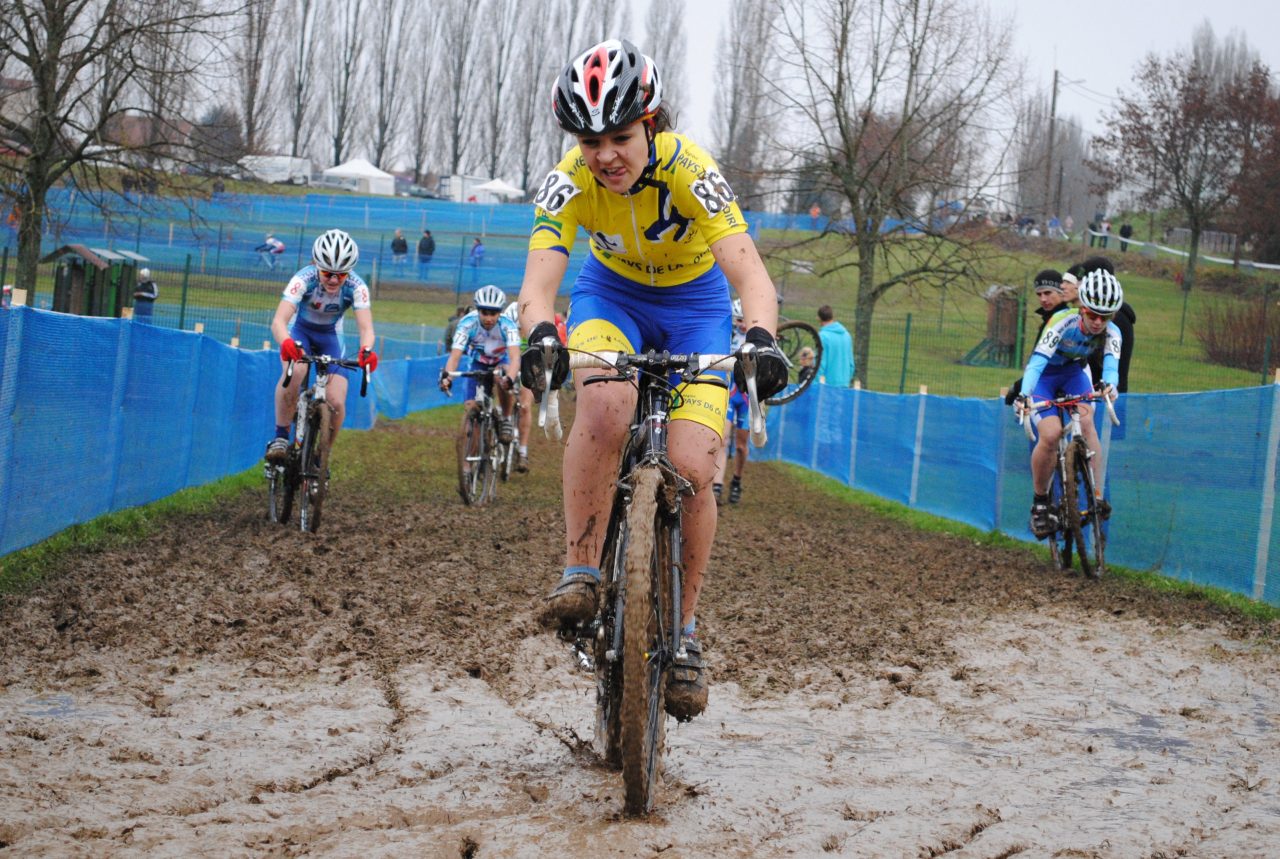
point(608, 87)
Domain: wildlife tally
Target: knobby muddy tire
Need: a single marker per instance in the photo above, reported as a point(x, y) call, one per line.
point(315, 470)
point(1071, 486)
point(643, 719)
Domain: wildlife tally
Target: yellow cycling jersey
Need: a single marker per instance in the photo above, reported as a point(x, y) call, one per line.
point(661, 233)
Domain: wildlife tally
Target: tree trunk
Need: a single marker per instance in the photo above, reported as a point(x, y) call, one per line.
point(1194, 251)
point(30, 228)
point(866, 304)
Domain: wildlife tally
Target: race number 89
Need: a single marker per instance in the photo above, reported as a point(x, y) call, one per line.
point(557, 190)
point(713, 192)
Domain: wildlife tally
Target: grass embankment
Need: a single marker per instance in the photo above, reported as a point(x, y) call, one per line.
point(947, 324)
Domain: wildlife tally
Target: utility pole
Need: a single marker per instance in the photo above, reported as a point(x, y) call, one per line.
point(1048, 161)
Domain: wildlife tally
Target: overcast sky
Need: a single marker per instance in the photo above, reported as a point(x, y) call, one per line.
point(1096, 48)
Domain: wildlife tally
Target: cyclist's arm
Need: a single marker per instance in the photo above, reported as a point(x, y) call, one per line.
point(455, 357)
point(364, 324)
point(1031, 375)
point(285, 311)
point(740, 261)
point(513, 364)
point(543, 272)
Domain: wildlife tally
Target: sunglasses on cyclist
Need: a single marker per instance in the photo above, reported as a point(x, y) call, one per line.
point(1089, 314)
point(483, 312)
point(334, 275)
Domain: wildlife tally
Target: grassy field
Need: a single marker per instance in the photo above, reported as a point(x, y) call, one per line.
point(944, 325)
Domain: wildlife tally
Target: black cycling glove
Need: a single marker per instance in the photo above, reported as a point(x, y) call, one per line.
point(531, 369)
point(771, 367)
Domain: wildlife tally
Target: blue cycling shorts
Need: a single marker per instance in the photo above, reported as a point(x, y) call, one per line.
point(476, 364)
point(739, 412)
point(320, 340)
point(608, 312)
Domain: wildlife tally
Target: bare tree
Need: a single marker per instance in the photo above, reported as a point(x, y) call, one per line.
point(877, 93)
point(347, 30)
point(665, 42)
point(743, 115)
point(423, 82)
point(84, 60)
point(459, 38)
point(1183, 133)
point(502, 25)
point(303, 23)
point(540, 141)
point(391, 28)
point(254, 65)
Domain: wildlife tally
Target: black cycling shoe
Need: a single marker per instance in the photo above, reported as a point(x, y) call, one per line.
point(687, 681)
point(1043, 520)
point(1103, 506)
point(735, 491)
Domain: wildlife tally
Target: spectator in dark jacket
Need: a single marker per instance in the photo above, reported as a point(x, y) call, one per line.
point(1052, 297)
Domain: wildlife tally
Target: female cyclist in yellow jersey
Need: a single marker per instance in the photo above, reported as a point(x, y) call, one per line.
point(667, 239)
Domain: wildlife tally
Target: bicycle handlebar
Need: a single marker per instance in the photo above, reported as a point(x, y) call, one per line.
point(470, 374)
point(689, 366)
point(327, 360)
point(1062, 403)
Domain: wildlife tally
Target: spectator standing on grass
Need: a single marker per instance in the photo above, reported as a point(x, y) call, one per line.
point(1126, 231)
point(1106, 232)
point(837, 350)
point(144, 296)
point(399, 250)
point(426, 250)
point(477, 257)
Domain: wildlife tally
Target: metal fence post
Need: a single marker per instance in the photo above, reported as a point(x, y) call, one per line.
point(217, 259)
point(186, 282)
point(906, 351)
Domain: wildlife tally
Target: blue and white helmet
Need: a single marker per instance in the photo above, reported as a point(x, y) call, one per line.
point(1101, 292)
point(513, 312)
point(489, 298)
point(737, 309)
point(335, 251)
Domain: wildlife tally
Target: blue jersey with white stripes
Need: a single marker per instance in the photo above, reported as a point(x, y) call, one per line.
point(485, 345)
point(319, 308)
point(1065, 341)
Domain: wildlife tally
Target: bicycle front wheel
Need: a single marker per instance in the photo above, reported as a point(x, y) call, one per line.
point(648, 616)
point(315, 469)
point(470, 448)
point(1076, 463)
point(793, 337)
point(1093, 549)
point(280, 494)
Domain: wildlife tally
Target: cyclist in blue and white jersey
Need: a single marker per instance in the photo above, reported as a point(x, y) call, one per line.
point(490, 340)
point(308, 321)
point(1058, 367)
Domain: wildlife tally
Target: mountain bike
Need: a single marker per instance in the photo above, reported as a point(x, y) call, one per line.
point(482, 456)
point(305, 472)
point(507, 450)
point(1074, 498)
point(634, 638)
point(794, 336)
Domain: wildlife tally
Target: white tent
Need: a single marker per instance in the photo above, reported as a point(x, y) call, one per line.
point(499, 187)
point(367, 178)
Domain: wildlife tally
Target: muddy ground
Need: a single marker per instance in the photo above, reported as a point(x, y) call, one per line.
point(233, 688)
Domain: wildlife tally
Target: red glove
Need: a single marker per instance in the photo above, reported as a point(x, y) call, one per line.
point(291, 350)
point(368, 360)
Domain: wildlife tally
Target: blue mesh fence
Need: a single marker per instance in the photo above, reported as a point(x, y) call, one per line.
point(1191, 477)
point(135, 412)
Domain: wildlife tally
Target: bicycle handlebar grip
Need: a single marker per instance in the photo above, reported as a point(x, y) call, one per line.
point(364, 381)
point(288, 375)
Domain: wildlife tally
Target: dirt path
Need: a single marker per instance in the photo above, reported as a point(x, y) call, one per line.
point(233, 688)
